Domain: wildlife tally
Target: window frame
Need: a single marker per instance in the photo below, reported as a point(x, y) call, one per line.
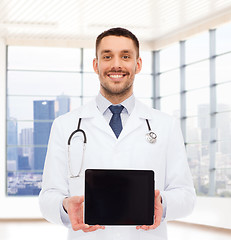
point(10, 207)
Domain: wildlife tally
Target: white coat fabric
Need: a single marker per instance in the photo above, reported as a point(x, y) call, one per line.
point(167, 157)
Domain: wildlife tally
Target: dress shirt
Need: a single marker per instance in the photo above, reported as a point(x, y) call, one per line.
point(103, 105)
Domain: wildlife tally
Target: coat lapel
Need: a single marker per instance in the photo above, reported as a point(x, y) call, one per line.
point(136, 119)
point(100, 122)
point(91, 111)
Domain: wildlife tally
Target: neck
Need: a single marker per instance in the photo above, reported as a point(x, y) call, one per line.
point(116, 98)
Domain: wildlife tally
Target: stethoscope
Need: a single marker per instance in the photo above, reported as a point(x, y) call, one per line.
point(150, 137)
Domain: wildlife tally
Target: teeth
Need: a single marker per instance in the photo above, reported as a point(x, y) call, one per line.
point(116, 76)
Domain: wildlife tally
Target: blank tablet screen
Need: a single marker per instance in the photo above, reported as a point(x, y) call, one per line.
point(119, 197)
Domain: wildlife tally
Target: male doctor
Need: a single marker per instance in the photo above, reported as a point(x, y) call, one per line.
point(122, 147)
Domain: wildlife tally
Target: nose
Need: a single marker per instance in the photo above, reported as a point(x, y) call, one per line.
point(116, 63)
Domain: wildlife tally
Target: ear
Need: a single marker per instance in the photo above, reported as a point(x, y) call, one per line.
point(138, 65)
point(95, 65)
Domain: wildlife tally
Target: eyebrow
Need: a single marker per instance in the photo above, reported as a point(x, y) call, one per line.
point(109, 51)
point(127, 51)
point(105, 51)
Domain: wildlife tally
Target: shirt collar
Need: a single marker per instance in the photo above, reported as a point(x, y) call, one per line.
point(103, 104)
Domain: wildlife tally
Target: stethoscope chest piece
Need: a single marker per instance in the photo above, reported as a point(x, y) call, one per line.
point(151, 137)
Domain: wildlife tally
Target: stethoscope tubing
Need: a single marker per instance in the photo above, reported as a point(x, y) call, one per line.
point(77, 130)
point(150, 136)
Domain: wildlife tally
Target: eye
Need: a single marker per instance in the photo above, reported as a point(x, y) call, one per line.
point(126, 57)
point(107, 57)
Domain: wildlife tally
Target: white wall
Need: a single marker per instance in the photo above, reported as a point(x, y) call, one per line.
point(211, 211)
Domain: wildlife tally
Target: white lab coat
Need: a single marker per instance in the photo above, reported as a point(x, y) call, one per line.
point(131, 150)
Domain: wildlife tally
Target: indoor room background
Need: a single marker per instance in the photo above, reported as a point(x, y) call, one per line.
point(46, 53)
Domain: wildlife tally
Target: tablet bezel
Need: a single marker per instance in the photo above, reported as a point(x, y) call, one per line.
point(149, 173)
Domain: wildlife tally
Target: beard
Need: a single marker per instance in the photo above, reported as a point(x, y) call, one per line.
point(116, 90)
point(120, 88)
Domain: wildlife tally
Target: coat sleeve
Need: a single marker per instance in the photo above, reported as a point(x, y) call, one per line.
point(179, 193)
point(55, 182)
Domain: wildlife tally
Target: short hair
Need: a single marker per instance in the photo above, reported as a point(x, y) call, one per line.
point(120, 32)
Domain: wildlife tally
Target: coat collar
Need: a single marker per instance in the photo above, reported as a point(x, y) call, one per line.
point(90, 110)
point(135, 120)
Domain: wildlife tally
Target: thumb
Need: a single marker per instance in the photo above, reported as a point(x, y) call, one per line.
point(79, 199)
point(157, 193)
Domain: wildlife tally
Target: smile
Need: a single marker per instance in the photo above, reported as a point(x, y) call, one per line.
point(116, 76)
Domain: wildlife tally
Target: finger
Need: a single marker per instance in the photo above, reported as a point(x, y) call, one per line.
point(90, 229)
point(158, 217)
point(93, 228)
point(144, 227)
point(151, 227)
point(80, 227)
point(156, 224)
point(101, 227)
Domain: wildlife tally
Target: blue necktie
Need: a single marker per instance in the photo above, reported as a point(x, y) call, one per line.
point(115, 121)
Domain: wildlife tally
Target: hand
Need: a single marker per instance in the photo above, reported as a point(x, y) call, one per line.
point(74, 207)
point(158, 213)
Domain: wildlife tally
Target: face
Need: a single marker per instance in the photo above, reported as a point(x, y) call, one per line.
point(116, 64)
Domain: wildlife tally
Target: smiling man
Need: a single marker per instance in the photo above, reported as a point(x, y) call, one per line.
point(116, 125)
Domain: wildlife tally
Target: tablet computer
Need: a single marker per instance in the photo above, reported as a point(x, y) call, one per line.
point(119, 197)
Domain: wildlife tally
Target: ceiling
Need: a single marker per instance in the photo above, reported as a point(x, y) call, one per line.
point(78, 22)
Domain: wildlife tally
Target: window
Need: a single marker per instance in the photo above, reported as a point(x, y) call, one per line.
point(143, 84)
point(38, 91)
point(42, 84)
point(190, 80)
point(197, 48)
point(223, 38)
point(169, 80)
point(194, 84)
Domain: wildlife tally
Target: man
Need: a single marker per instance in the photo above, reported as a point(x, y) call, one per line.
point(61, 199)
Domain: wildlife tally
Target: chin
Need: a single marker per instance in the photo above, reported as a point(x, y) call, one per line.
point(118, 92)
